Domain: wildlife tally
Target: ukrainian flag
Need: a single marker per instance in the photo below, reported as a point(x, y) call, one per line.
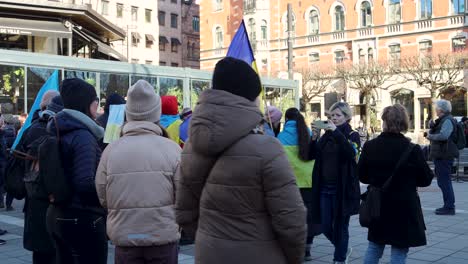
point(240, 47)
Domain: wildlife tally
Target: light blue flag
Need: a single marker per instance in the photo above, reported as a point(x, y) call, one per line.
point(51, 84)
point(114, 123)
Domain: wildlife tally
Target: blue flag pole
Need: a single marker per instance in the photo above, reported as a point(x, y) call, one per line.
point(51, 84)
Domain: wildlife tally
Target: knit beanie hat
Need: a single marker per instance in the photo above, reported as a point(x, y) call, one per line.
point(143, 104)
point(237, 77)
point(77, 94)
point(47, 97)
point(169, 105)
point(56, 104)
point(274, 113)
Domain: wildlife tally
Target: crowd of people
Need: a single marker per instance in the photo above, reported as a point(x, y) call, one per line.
point(226, 176)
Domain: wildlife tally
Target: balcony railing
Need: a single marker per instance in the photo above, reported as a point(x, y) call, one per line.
point(249, 6)
point(338, 35)
point(457, 20)
point(366, 32)
point(218, 51)
point(393, 28)
point(313, 39)
point(424, 24)
point(263, 43)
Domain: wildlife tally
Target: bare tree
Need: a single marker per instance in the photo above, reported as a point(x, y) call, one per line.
point(315, 81)
point(368, 79)
point(435, 72)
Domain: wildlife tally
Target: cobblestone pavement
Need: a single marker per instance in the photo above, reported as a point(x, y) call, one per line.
point(447, 235)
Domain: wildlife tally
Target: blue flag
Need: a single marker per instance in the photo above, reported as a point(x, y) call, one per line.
point(51, 84)
point(240, 47)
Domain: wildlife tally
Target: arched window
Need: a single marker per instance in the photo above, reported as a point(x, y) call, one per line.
point(218, 38)
point(362, 56)
point(339, 18)
point(264, 29)
point(425, 8)
point(366, 14)
point(370, 55)
point(313, 22)
point(252, 33)
point(405, 97)
point(394, 11)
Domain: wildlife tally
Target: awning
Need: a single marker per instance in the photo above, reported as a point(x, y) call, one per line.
point(102, 47)
point(136, 35)
point(149, 37)
point(40, 28)
point(176, 41)
point(163, 40)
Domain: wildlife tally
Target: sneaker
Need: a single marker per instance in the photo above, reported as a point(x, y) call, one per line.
point(307, 256)
point(10, 208)
point(439, 209)
point(2, 242)
point(445, 211)
point(2, 232)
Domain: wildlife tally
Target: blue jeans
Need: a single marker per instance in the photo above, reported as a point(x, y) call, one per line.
point(442, 170)
point(330, 229)
point(375, 252)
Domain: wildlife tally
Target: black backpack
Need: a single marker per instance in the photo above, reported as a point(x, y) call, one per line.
point(458, 134)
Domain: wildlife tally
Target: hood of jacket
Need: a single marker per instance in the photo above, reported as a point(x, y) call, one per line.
point(221, 119)
point(69, 120)
point(136, 128)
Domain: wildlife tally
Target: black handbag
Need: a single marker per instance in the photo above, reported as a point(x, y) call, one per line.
point(370, 208)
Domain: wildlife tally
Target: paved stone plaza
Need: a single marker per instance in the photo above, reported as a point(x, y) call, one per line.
point(447, 235)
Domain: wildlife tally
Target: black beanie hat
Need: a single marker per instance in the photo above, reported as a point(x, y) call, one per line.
point(56, 104)
point(237, 77)
point(77, 94)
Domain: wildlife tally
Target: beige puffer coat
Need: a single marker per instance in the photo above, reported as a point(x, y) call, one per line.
point(238, 187)
point(135, 182)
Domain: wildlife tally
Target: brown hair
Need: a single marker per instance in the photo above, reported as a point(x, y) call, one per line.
point(395, 119)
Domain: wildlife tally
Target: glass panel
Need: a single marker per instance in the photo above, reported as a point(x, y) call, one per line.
point(169, 86)
point(405, 97)
point(287, 99)
point(113, 83)
point(89, 77)
point(425, 105)
point(11, 89)
point(272, 96)
point(196, 89)
point(315, 110)
point(36, 78)
point(152, 80)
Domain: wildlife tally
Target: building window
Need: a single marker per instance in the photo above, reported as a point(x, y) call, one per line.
point(174, 1)
point(458, 44)
point(135, 60)
point(394, 12)
point(250, 5)
point(175, 45)
point(217, 5)
point(135, 39)
point(370, 55)
point(162, 63)
point(149, 40)
point(134, 13)
point(425, 48)
point(252, 33)
point(149, 62)
point(105, 8)
point(263, 28)
point(174, 64)
point(458, 7)
point(362, 56)
point(313, 22)
point(148, 14)
point(196, 24)
point(174, 20)
point(218, 38)
point(366, 14)
point(395, 54)
point(162, 18)
point(162, 46)
point(425, 8)
point(314, 57)
point(120, 10)
point(339, 18)
point(285, 25)
point(339, 56)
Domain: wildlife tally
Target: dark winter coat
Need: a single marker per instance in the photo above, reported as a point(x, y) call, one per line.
point(443, 147)
point(348, 190)
point(81, 153)
point(402, 222)
point(35, 236)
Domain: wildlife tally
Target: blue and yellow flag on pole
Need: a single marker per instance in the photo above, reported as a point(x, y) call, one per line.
point(241, 49)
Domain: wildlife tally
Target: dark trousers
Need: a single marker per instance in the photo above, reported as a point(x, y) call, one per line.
point(443, 169)
point(79, 236)
point(312, 230)
point(164, 254)
point(43, 257)
point(329, 224)
point(8, 199)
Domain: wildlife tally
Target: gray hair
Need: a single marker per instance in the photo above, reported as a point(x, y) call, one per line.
point(444, 105)
point(344, 108)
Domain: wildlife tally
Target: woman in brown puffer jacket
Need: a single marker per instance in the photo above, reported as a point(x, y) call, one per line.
point(236, 189)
